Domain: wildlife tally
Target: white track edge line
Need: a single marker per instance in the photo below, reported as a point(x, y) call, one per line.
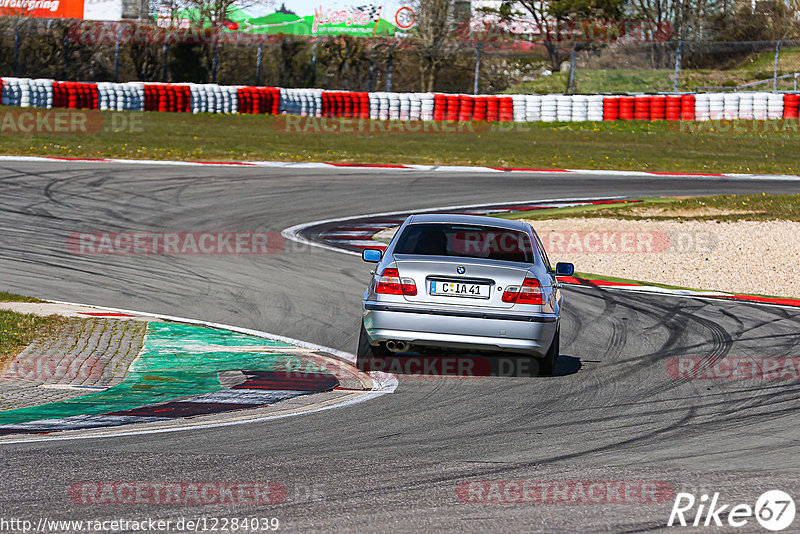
point(406, 168)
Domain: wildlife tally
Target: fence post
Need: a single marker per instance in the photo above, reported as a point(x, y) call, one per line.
point(215, 59)
point(314, 63)
point(116, 56)
point(389, 63)
point(258, 66)
point(164, 52)
point(678, 53)
point(571, 82)
point(477, 68)
point(775, 68)
point(66, 53)
point(16, 50)
point(371, 74)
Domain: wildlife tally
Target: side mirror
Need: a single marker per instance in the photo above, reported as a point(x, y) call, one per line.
point(564, 269)
point(372, 255)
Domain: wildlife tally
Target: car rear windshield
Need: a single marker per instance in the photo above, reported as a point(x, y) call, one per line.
point(469, 241)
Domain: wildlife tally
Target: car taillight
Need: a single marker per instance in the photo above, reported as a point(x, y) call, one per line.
point(528, 293)
point(390, 283)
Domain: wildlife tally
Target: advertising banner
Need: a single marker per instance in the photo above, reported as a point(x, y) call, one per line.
point(309, 17)
point(63, 9)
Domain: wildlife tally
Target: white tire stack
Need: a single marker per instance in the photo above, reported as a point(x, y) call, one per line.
point(746, 106)
point(106, 96)
point(520, 108)
point(549, 108)
point(426, 112)
point(414, 106)
point(199, 100)
point(374, 106)
point(405, 106)
point(383, 106)
point(42, 93)
point(563, 108)
point(775, 105)
point(701, 107)
point(594, 107)
point(716, 105)
point(580, 107)
point(533, 108)
point(730, 106)
point(393, 100)
point(760, 106)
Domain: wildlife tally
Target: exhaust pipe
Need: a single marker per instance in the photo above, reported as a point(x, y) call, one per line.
point(397, 346)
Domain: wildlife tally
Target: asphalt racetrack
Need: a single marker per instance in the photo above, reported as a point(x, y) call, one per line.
point(396, 463)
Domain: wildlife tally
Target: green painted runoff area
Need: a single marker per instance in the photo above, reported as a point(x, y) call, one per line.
point(176, 360)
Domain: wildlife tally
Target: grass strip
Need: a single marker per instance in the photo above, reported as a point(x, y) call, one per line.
point(659, 146)
point(747, 207)
point(11, 297)
point(18, 330)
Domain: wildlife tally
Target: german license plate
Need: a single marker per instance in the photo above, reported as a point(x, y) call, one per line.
point(459, 289)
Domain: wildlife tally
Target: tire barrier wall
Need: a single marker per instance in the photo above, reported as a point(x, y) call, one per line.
point(213, 98)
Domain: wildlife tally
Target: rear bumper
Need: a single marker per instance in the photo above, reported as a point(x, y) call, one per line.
point(459, 329)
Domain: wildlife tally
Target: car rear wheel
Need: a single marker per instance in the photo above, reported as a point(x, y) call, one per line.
point(548, 364)
point(366, 353)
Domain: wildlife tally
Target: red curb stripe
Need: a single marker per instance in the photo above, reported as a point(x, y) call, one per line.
point(103, 160)
point(769, 300)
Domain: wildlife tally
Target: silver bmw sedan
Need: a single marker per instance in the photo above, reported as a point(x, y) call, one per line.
point(462, 283)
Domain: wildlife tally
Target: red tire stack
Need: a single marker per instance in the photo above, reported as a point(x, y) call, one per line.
point(184, 98)
point(687, 107)
point(492, 108)
point(453, 104)
point(506, 109)
point(658, 108)
point(245, 100)
point(363, 105)
point(347, 104)
point(626, 104)
point(791, 106)
point(60, 95)
point(339, 101)
point(151, 97)
point(439, 107)
point(162, 98)
point(611, 108)
point(467, 105)
point(479, 108)
point(641, 108)
point(673, 108)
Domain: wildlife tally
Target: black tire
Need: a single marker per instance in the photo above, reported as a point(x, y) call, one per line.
point(547, 365)
point(366, 353)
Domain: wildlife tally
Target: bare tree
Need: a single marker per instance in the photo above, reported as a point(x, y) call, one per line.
point(433, 38)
